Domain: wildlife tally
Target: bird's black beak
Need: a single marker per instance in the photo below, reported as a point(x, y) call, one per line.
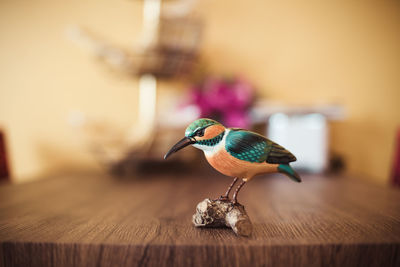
point(184, 142)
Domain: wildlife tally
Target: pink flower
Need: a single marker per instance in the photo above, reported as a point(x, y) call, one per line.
point(227, 100)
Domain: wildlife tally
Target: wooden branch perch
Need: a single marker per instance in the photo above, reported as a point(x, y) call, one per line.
point(216, 213)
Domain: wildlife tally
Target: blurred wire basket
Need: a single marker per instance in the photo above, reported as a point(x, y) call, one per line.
point(168, 48)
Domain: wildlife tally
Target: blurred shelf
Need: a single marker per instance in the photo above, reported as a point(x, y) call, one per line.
point(103, 221)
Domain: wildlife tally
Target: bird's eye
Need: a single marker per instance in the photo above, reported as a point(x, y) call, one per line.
point(200, 132)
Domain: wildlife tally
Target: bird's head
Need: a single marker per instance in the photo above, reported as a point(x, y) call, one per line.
point(201, 133)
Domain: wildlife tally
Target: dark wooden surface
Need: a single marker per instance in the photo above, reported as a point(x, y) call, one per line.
point(103, 221)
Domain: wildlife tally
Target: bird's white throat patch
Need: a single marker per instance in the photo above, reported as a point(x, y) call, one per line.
point(211, 150)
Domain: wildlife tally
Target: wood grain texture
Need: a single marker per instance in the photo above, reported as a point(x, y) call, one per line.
point(103, 221)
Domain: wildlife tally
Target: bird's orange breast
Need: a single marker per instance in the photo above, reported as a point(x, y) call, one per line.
point(226, 164)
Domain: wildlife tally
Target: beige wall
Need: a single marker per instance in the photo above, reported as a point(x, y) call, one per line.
point(298, 52)
point(321, 52)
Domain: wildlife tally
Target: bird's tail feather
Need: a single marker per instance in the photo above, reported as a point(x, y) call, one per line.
point(288, 171)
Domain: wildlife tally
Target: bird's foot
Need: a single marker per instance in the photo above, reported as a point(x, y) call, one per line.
point(223, 198)
point(235, 202)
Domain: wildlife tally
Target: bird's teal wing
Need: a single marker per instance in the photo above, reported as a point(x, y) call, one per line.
point(252, 147)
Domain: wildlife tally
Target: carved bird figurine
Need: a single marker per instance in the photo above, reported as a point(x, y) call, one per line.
point(236, 152)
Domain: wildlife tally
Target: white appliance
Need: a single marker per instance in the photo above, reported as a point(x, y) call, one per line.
point(305, 135)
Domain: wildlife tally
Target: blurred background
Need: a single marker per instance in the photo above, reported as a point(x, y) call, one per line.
point(109, 86)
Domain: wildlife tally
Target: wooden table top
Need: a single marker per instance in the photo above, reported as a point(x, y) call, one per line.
point(103, 221)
